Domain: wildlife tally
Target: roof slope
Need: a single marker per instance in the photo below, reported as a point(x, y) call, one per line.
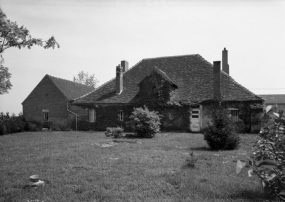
point(192, 74)
point(274, 98)
point(71, 89)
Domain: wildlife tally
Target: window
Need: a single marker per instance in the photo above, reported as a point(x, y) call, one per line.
point(234, 115)
point(121, 116)
point(195, 114)
point(45, 114)
point(92, 115)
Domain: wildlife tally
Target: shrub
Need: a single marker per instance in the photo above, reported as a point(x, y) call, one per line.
point(3, 129)
point(145, 123)
point(268, 159)
point(114, 132)
point(220, 135)
point(30, 126)
point(39, 125)
point(11, 124)
point(59, 125)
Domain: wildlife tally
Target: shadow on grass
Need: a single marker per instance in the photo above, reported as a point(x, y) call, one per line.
point(131, 136)
point(250, 195)
point(134, 136)
point(204, 148)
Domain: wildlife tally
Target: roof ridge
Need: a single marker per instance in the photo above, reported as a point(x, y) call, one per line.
point(165, 75)
point(169, 57)
point(273, 94)
point(93, 90)
point(105, 83)
point(69, 81)
point(50, 77)
point(204, 60)
point(244, 88)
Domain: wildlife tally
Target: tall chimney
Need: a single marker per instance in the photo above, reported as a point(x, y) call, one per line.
point(119, 79)
point(225, 65)
point(125, 65)
point(217, 81)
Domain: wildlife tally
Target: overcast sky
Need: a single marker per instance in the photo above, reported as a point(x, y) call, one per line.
point(94, 36)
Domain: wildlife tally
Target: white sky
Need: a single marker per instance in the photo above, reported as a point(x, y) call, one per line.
point(94, 36)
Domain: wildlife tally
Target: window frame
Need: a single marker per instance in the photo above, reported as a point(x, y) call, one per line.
point(121, 116)
point(234, 114)
point(94, 115)
point(45, 115)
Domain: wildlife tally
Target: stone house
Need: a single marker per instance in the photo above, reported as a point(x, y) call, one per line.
point(50, 101)
point(181, 88)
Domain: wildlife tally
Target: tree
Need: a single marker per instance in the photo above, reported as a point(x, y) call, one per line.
point(5, 83)
point(220, 133)
point(11, 35)
point(84, 78)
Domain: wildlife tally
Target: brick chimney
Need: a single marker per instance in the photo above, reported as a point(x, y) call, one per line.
point(217, 81)
point(125, 65)
point(225, 65)
point(119, 79)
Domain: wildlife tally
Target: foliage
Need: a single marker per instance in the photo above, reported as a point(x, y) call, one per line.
point(220, 135)
point(11, 35)
point(38, 125)
point(84, 78)
point(59, 125)
point(14, 36)
point(115, 132)
point(145, 123)
point(268, 159)
point(5, 84)
point(11, 124)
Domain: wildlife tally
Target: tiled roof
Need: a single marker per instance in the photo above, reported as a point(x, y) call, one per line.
point(165, 76)
point(192, 75)
point(70, 89)
point(274, 98)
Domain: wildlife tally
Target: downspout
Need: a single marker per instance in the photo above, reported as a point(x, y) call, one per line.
point(73, 114)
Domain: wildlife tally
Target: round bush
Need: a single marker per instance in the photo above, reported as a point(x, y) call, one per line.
point(145, 123)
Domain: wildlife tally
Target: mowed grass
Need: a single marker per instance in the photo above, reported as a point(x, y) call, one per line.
point(75, 167)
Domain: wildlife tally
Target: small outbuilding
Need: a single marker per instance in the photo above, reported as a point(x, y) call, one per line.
point(50, 101)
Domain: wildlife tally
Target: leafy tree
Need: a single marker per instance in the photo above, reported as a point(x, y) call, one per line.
point(267, 161)
point(11, 35)
point(5, 76)
point(84, 78)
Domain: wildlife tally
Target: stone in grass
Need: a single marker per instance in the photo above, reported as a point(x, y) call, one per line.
point(35, 181)
point(34, 178)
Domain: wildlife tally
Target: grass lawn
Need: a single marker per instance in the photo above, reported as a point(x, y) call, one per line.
point(79, 166)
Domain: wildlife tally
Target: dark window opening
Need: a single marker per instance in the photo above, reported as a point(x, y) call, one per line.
point(121, 116)
point(234, 115)
point(45, 116)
